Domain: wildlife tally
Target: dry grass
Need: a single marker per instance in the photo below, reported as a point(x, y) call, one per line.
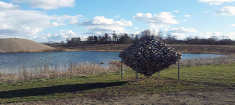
point(189, 62)
point(52, 71)
point(207, 61)
point(86, 68)
point(115, 64)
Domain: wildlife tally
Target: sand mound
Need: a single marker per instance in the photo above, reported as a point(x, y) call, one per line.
point(22, 45)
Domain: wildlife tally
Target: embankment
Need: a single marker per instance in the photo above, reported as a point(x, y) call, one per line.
point(22, 45)
point(182, 48)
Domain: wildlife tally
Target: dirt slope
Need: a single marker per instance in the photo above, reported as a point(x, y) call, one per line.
point(22, 45)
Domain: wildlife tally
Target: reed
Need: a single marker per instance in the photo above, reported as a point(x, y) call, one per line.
point(207, 61)
point(189, 62)
point(115, 64)
point(7, 75)
point(52, 71)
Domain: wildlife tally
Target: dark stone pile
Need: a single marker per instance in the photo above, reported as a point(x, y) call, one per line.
point(149, 55)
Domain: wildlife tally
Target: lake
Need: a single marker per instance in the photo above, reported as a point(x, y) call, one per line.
point(13, 60)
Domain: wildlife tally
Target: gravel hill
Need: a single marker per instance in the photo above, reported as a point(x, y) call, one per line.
point(22, 45)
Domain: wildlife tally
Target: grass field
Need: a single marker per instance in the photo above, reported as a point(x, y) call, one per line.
point(220, 76)
point(97, 83)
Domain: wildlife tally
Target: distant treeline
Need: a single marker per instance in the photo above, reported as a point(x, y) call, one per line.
point(131, 38)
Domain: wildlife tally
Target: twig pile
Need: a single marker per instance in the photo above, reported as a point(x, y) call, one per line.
point(149, 56)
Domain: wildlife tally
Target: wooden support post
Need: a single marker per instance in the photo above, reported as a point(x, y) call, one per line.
point(121, 69)
point(159, 74)
point(136, 77)
point(178, 70)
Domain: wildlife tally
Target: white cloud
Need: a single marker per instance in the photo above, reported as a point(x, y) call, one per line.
point(164, 18)
point(230, 35)
point(136, 28)
point(102, 29)
point(27, 23)
point(61, 35)
point(73, 21)
point(176, 11)
point(205, 12)
point(118, 16)
point(100, 25)
point(8, 6)
point(156, 21)
point(219, 35)
point(47, 4)
point(187, 16)
point(183, 20)
point(181, 30)
point(180, 33)
point(215, 2)
point(136, 32)
point(179, 36)
point(55, 24)
point(232, 25)
point(102, 21)
point(227, 11)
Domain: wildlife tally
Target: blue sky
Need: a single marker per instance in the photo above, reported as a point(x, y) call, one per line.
point(56, 20)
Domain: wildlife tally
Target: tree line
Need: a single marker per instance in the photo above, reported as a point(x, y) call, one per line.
point(124, 38)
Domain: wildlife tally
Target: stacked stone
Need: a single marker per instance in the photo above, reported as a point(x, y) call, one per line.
point(149, 55)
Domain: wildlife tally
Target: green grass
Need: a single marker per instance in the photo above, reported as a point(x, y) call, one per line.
point(110, 85)
point(220, 74)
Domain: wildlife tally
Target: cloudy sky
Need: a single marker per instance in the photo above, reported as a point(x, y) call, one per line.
point(56, 20)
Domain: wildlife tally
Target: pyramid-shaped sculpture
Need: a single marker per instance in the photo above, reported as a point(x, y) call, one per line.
point(149, 55)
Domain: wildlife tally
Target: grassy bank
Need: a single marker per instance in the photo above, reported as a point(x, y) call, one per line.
point(220, 76)
point(182, 48)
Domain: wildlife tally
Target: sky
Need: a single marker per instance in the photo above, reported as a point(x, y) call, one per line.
point(57, 20)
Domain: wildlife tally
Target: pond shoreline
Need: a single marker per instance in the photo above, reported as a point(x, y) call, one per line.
point(185, 48)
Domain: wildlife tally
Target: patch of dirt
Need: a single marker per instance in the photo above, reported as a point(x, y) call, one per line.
point(214, 97)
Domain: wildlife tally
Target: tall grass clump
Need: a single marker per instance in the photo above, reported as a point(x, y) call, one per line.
point(116, 65)
point(206, 61)
point(188, 62)
point(52, 71)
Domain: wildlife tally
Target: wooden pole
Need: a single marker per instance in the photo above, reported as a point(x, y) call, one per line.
point(136, 77)
point(178, 70)
point(136, 74)
point(121, 69)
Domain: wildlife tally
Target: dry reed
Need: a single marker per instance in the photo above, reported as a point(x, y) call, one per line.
point(86, 69)
point(208, 61)
point(52, 71)
point(190, 62)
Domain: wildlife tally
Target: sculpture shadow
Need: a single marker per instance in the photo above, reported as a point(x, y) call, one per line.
point(57, 89)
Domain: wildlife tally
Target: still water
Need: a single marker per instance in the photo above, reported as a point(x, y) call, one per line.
point(13, 60)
